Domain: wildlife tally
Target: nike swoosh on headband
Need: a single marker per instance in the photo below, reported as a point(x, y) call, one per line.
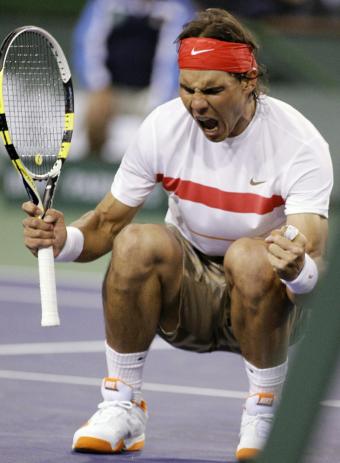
point(197, 52)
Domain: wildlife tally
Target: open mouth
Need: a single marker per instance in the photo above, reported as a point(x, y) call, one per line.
point(209, 125)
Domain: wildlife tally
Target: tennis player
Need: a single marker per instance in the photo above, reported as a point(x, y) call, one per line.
point(249, 180)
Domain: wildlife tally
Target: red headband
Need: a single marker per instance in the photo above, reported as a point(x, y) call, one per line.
point(211, 54)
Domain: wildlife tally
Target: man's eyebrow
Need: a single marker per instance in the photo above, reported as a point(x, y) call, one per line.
point(204, 89)
point(213, 88)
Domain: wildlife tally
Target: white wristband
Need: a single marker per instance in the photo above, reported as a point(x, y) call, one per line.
point(307, 278)
point(73, 245)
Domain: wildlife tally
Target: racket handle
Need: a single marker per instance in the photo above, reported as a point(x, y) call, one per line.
point(48, 292)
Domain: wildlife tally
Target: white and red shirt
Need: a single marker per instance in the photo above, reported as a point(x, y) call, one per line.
point(242, 186)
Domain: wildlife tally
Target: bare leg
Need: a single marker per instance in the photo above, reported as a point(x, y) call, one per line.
point(141, 286)
point(260, 307)
point(101, 108)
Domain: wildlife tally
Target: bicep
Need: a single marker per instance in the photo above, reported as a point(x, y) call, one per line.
point(315, 229)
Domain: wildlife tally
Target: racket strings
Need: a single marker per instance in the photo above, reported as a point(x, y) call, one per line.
point(34, 101)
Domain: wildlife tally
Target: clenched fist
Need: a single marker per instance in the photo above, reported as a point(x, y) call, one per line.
point(287, 256)
point(42, 233)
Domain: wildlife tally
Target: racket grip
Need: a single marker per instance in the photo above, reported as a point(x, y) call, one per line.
point(48, 292)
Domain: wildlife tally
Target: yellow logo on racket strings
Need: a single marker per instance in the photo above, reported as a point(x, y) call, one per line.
point(38, 159)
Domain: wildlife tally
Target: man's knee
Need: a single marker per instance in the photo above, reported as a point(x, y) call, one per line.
point(141, 248)
point(133, 250)
point(248, 268)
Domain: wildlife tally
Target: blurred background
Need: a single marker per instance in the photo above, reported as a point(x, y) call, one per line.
point(123, 62)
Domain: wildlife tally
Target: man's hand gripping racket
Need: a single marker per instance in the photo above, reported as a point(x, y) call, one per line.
point(36, 125)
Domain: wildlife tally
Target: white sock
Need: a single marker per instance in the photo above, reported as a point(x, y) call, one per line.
point(127, 367)
point(266, 379)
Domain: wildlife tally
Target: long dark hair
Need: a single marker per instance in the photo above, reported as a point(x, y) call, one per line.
point(218, 24)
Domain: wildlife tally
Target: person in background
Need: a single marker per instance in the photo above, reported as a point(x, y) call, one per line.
point(123, 61)
point(259, 9)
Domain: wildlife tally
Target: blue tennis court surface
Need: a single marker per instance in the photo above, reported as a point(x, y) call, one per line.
point(50, 377)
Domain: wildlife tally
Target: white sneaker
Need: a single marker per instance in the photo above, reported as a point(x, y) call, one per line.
point(257, 419)
point(118, 425)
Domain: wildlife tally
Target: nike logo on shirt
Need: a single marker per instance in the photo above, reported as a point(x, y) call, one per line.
point(253, 182)
point(197, 52)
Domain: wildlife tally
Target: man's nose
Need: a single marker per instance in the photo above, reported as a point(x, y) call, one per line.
point(199, 102)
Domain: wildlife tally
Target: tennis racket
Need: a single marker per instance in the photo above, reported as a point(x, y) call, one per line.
point(36, 125)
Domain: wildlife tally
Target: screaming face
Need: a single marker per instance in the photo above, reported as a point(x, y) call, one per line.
point(221, 105)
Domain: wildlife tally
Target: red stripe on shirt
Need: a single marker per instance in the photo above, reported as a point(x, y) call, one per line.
point(219, 199)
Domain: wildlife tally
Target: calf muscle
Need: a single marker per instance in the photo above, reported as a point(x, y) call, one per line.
point(141, 286)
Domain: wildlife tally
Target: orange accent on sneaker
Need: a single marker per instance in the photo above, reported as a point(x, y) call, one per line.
point(142, 404)
point(119, 447)
point(110, 383)
point(92, 444)
point(265, 398)
point(246, 454)
point(136, 446)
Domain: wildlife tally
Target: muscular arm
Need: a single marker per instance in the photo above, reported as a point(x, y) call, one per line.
point(315, 229)
point(101, 225)
point(99, 228)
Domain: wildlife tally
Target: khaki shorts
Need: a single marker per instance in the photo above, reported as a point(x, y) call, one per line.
point(204, 310)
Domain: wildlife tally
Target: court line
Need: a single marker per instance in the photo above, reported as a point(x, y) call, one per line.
point(86, 381)
point(68, 298)
point(331, 403)
point(154, 387)
point(88, 280)
point(69, 347)
point(27, 274)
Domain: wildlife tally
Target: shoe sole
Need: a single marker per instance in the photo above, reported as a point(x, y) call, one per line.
point(247, 454)
point(95, 445)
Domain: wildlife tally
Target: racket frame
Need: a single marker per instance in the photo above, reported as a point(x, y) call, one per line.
point(65, 73)
point(50, 315)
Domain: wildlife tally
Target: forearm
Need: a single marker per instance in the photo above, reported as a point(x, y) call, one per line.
point(98, 235)
point(101, 226)
point(315, 228)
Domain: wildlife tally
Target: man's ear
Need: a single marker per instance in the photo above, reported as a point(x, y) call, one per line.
point(250, 82)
